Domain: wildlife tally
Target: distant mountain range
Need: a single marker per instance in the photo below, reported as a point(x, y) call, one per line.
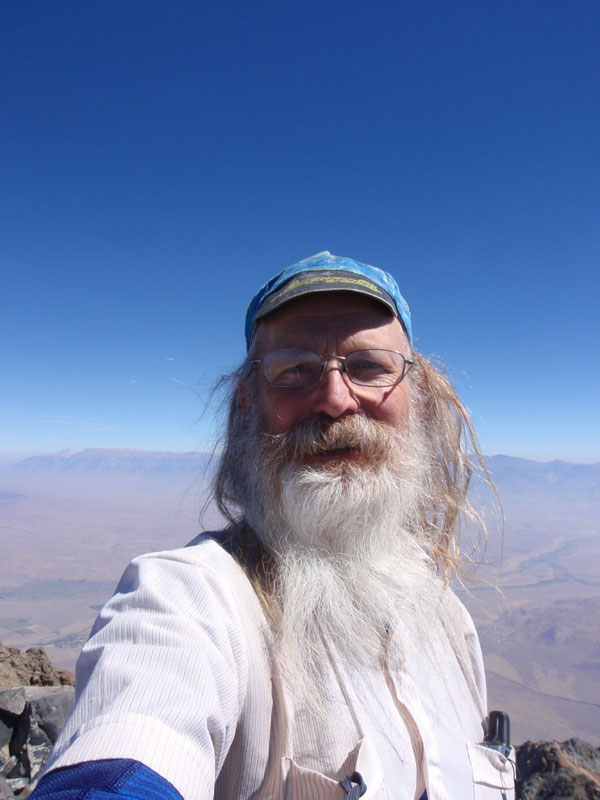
point(509, 473)
point(114, 462)
point(571, 488)
point(504, 468)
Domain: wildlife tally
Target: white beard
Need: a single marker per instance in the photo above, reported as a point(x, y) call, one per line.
point(345, 539)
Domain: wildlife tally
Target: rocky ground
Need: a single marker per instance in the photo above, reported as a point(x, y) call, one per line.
point(30, 668)
point(36, 699)
point(559, 770)
point(31, 717)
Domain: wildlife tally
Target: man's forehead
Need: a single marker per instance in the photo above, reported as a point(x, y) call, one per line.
point(322, 314)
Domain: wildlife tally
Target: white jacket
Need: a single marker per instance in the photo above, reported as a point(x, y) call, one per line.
point(179, 673)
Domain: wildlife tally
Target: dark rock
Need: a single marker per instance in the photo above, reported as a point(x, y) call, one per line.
point(12, 703)
point(19, 739)
point(33, 716)
point(588, 756)
point(5, 733)
point(8, 766)
point(559, 771)
point(565, 786)
point(50, 707)
point(6, 792)
point(20, 770)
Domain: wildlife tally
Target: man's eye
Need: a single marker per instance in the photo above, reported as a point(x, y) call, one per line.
point(297, 369)
point(365, 366)
point(299, 372)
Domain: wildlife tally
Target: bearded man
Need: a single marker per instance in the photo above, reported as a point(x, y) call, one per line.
point(314, 648)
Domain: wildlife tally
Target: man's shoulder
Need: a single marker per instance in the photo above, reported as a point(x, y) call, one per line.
point(200, 576)
point(207, 555)
point(228, 540)
point(452, 604)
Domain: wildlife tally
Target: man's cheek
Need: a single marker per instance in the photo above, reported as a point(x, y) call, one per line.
point(279, 412)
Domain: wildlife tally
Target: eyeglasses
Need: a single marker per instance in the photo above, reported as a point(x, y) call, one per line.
point(298, 368)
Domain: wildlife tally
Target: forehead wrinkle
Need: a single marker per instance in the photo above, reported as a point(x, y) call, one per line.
point(321, 333)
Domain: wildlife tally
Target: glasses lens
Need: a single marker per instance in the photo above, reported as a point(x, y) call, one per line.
point(375, 367)
point(291, 367)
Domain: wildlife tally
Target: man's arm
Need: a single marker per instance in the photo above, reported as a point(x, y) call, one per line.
point(163, 677)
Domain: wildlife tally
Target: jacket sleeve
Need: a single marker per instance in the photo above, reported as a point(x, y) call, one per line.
point(163, 677)
point(105, 780)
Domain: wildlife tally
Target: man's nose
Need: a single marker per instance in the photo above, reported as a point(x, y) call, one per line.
point(334, 394)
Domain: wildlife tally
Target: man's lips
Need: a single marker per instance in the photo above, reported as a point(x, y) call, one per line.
point(336, 454)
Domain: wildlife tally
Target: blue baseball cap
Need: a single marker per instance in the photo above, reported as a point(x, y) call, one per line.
point(327, 273)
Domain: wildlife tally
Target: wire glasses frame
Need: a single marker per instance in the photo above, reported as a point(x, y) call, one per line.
point(293, 369)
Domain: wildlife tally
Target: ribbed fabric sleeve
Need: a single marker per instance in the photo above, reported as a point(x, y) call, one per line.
point(163, 677)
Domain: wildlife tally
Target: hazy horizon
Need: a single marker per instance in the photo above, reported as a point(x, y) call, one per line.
point(8, 457)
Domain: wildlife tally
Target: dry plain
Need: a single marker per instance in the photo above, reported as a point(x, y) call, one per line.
point(67, 533)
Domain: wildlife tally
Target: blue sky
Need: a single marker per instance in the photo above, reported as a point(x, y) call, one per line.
point(163, 159)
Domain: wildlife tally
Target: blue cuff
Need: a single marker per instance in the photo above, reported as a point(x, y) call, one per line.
point(105, 780)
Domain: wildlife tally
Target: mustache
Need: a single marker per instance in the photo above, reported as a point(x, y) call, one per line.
point(320, 435)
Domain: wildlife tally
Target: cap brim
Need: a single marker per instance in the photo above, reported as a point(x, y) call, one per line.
point(324, 281)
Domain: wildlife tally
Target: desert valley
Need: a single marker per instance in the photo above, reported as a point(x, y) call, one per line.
point(71, 522)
